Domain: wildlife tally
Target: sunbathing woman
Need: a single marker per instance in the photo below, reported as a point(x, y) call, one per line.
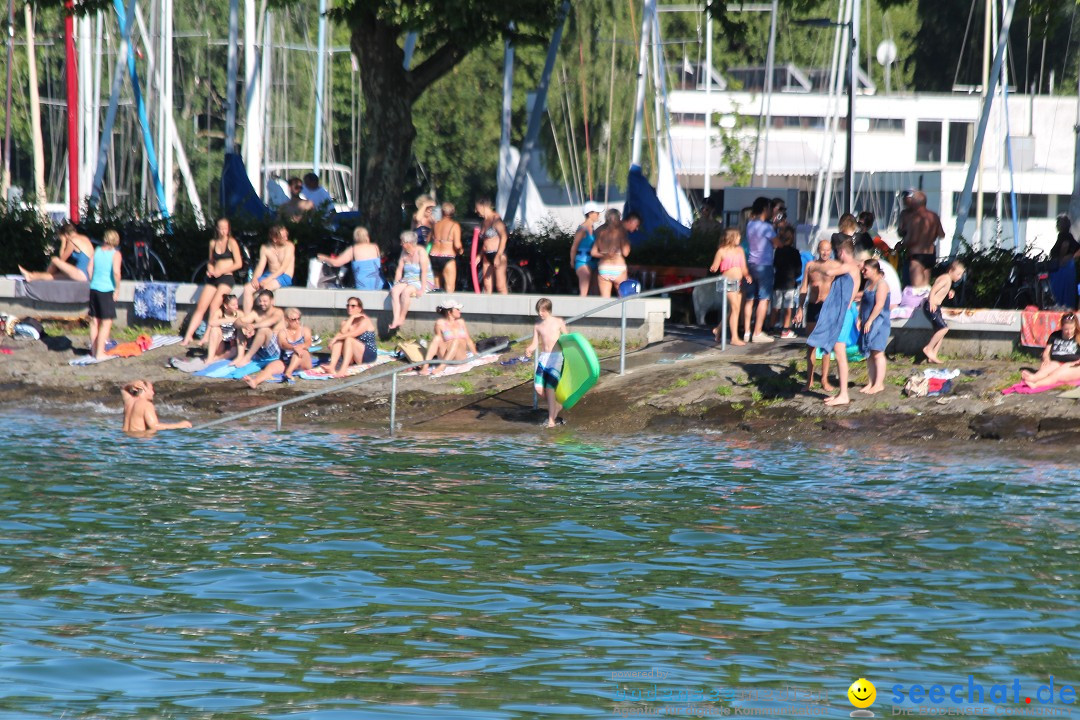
point(365, 258)
point(140, 416)
point(75, 253)
point(221, 340)
point(611, 248)
point(223, 261)
point(730, 262)
point(451, 340)
point(355, 342)
point(1061, 351)
point(412, 279)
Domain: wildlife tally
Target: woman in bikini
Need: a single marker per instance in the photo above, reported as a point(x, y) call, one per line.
point(75, 253)
point(224, 260)
point(355, 342)
point(445, 247)
point(610, 249)
point(365, 258)
point(221, 338)
point(730, 262)
point(451, 340)
point(584, 263)
point(493, 240)
point(412, 279)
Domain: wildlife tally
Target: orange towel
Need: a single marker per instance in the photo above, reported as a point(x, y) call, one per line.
point(132, 349)
point(1036, 326)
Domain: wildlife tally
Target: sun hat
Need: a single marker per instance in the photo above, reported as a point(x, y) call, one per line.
point(449, 304)
point(593, 207)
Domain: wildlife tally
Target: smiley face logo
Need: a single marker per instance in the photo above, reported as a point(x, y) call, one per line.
point(862, 693)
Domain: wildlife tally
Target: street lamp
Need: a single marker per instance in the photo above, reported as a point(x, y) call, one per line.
point(849, 185)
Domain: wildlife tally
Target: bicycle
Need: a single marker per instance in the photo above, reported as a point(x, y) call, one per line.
point(1028, 284)
point(141, 263)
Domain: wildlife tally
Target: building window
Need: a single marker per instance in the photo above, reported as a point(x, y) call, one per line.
point(887, 125)
point(928, 143)
point(961, 140)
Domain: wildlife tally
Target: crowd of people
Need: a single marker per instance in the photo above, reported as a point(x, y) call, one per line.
point(848, 283)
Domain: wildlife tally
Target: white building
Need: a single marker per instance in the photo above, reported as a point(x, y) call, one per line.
point(921, 141)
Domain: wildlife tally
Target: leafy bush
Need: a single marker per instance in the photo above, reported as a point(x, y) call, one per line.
point(987, 273)
point(28, 239)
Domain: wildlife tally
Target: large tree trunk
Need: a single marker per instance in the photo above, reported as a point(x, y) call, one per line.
point(388, 101)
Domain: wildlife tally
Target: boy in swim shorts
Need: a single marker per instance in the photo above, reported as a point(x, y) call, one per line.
point(546, 335)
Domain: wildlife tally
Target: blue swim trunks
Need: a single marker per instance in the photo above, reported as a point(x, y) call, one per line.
point(283, 280)
point(548, 370)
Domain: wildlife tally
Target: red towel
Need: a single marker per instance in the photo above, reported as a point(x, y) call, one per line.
point(1036, 326)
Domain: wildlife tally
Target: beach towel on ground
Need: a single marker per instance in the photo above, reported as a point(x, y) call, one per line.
point(89, 360)
point(155, 301)
point(323, 373)
point(132, 349)
point(458, 369)
point(1022, 389)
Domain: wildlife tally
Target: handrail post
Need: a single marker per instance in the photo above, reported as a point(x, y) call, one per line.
point(393, 402)
point(536, 366)
point(723, 316)
point(622, 341)
point(279, 418)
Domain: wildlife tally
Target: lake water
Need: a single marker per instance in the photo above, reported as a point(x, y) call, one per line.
point(330, 576)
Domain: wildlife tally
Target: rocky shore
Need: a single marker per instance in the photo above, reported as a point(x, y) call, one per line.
point(677, 386)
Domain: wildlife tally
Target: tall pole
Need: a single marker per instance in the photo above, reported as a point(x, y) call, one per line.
point(35, 111)
point(535, 118)
point(86, 144)
point(965, 197)
point(231, 72)
point(5, 182)
point(507, 108)
point(166, 101)
point(320, 79)
point(252, 106)
point(1074, 201)
point(72, 72)
point(988, 38)
point(639, 102)
point(707, 190)
point(853, 76)
point(770, 70)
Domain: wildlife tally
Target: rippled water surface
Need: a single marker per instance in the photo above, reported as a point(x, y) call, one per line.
point(329, 576)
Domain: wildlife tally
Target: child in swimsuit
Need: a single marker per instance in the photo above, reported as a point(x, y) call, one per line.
point(546, 336)
point(730, 262)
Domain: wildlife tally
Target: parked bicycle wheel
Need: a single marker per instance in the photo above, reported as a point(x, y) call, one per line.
point(143, 266)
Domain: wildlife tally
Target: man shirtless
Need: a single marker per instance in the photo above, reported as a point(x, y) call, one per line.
point(921, 229)
point(140, 416)
point(277, 261)
point(293, 210)
point(814, 290)
point(258, 330)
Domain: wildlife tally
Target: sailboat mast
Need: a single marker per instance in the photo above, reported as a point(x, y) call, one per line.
point(639, 102)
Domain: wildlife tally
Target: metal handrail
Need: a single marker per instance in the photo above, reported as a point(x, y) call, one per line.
point(394, 372)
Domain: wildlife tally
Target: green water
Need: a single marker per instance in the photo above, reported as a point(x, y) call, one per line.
point(330, 576)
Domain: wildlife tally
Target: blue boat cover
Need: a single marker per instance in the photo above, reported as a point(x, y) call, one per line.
point(238, 198)
point(641, 198)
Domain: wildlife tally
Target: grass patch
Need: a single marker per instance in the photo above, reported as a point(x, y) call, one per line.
point(680, 383)
point(897, 380)
point(493, 370)
point(740, 380)
point(756, 397)
point(129, 333)
point(467, 388)
point(737, 406)
point(703, 375)
point(1009, 380)
point(724, 390)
